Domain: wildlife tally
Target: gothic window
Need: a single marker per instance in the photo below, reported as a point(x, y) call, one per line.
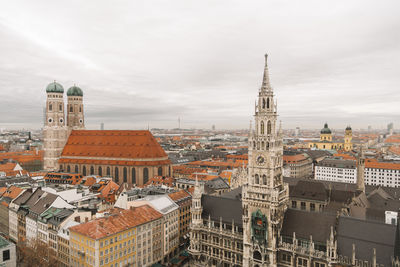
point(133, 176)
point(84, 171)
point(267, 102)
point(263, 103)
point(71, 109)
point(267, 145)
point(50, 107)
point(256, 179)
point(76, 169)
point(264, 178)
point(254, 144)
point(159, 172)
point(262, 145)
point(269, 127)
point(145, 175)
point(60, 107)
point(125, 175)
point(257, 255)
point(169, 171)
point(108, 171)
point(116, 174)
point(258, 145)
point(262, 127)
point(80, 108)
point(68, 168)
point(91, 170)
point(100, 171)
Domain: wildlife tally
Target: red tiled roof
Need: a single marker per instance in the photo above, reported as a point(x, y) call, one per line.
point(113, 144)
point(160, 180)
point(176, 196)
point(119, 221)
point(382, 165)
point(2, 190)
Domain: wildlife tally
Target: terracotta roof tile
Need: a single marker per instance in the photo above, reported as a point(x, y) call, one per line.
point(176, 196)
point(113, 144)
point(118, 221)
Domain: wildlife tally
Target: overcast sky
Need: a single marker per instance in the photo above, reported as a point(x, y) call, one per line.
point(150, 62)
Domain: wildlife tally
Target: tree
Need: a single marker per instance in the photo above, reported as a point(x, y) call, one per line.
point(36, 253)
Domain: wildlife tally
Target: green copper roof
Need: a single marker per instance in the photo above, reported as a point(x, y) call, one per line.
point(326, 130)
point(348, 128)
point(54, 87)
point(74, 91)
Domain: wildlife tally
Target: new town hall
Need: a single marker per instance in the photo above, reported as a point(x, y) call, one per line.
point(253, 225)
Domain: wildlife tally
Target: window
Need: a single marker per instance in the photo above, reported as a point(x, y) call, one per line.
point(318, 264)
point(100, 171)
point(108, 171)
point(303, 205)
point(68, 168)
point(301, 262)
point(50, 107)
point(269, 127)
point(60, 107)
point(256, 179)
point(91, 170)
point(133, 176)
point(76, 169)
point(84, 171)
point(286, 258)
point(262, 127)
point(145, 175)
point(159, 171)
point(312, 206)
point(6, 255)
point(71, 109)
point(264, 177)
point(294, 204)
point(116, 174)
point(125, 172)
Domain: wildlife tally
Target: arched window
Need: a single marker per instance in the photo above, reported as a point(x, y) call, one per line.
point(267, 145)
point(169, 171)
point(145, 175)
point(267, 102)
point(116, 174)
point(262, 145)
point(84, 171)
point(257, 255)
point(68, 168)
point(262, 127)
point(256, 179)
point(264, 178)
point(80, 108)
point(133, 176)
point(71, 109)
point(108, 171)
point(263, 103)
point(60, 107)
point(76, 169)
point(125, 175)
point(100, 171)
point(269, 127)
point(159, 171)
point(91, 170)
point(50, 107)
point(254, 144)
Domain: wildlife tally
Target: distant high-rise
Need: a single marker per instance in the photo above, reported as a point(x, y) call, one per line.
point(102, 126)
point(297, 131)
point(213, 127)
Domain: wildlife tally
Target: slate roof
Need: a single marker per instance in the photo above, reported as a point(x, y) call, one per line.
point(366, 235)
point(306, 224)
point(308, 189)
point(220, 207)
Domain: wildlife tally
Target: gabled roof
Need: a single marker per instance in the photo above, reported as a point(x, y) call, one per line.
point(306, 224)
point(118, 221)
point(366, 235)
point(227, 209)
point(305, 189)
point(112, 144)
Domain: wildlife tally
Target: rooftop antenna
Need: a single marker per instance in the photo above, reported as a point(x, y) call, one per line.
point(179, 122)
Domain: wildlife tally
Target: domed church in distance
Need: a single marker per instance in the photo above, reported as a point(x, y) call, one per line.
point(327, 142)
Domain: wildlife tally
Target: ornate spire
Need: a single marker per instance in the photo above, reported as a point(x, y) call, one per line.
point(266, 86)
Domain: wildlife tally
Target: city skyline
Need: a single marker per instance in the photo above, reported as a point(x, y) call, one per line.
point(141, 66)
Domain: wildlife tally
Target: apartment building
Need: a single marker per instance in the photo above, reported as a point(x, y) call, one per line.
point(336, 170)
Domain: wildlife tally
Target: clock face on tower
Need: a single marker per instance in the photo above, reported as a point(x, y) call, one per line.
point(260, 160)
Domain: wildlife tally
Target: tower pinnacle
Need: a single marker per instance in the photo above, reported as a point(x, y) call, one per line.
point(266, 86)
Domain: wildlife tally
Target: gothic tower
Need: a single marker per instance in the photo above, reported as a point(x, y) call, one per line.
point(265, 196)
point(360, 169)
point(54, 131)
point(75, 115)
point(197, 222)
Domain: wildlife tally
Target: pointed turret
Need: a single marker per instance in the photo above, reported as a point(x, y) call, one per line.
point(360, 169)
point(266, 86)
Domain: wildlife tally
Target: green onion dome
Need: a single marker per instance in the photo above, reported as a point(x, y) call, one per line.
point(54, 87)
point(74, 91)
point(326, 130)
